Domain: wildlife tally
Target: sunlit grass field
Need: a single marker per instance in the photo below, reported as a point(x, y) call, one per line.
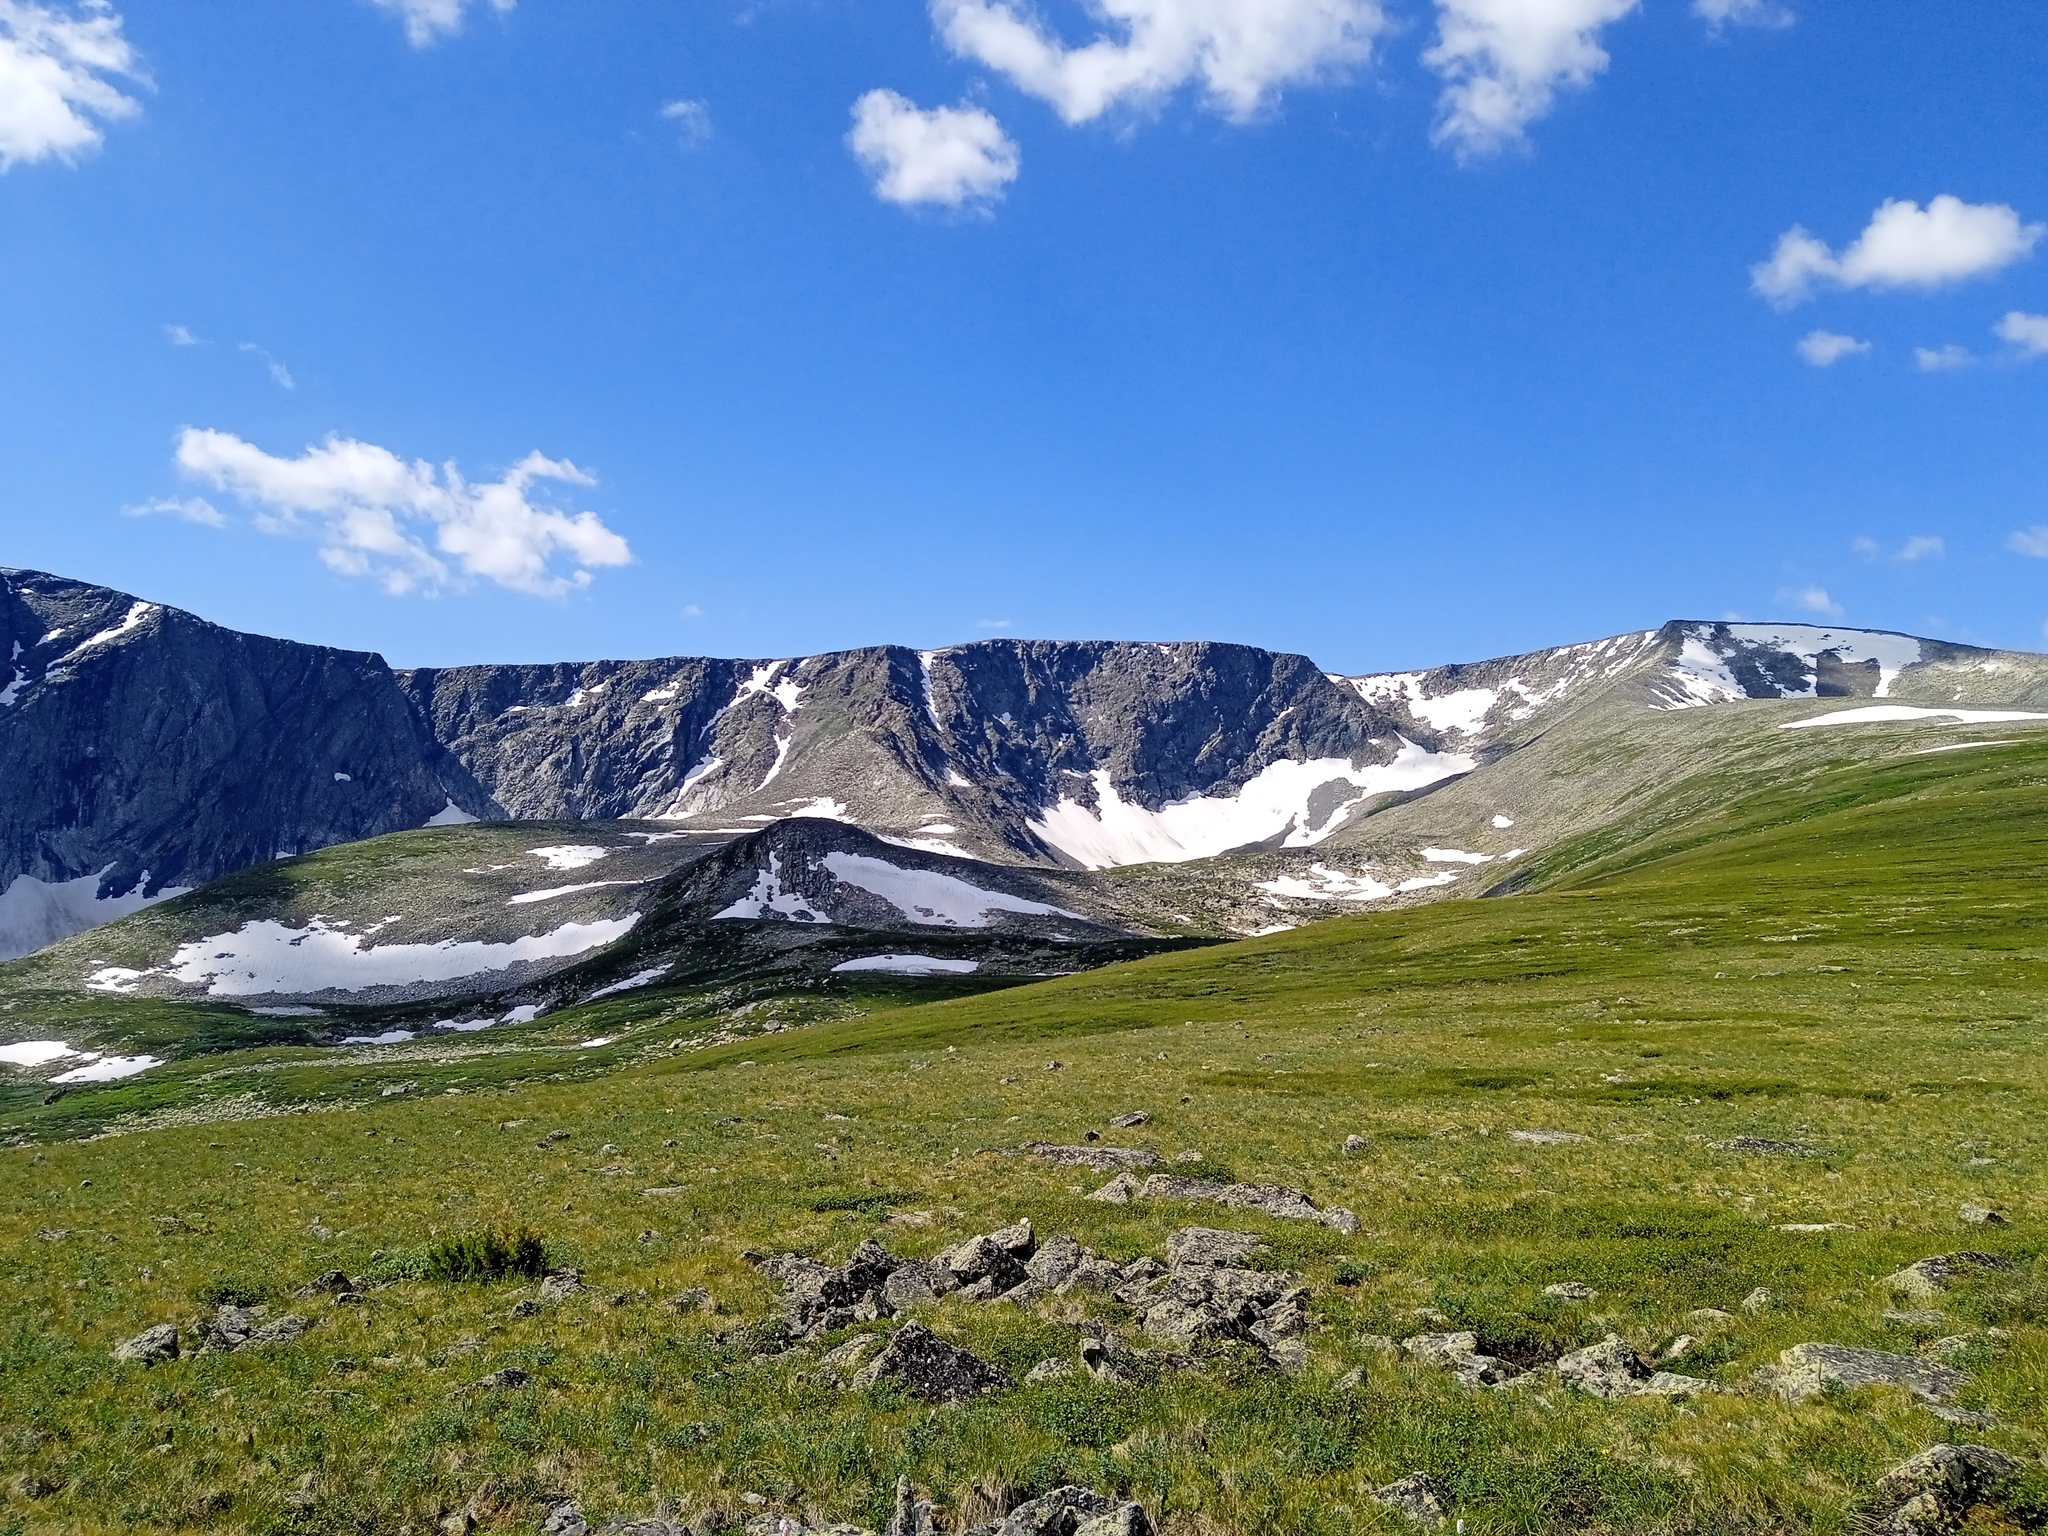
point(1854, 961)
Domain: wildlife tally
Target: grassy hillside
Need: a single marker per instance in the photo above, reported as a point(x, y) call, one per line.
point(1852, 962)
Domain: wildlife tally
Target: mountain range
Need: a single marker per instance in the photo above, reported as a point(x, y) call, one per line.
point(524, 836)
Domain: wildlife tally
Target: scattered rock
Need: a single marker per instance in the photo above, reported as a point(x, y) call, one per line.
point(1815, 1226)
point(232, 1328)
point(913, 1516)
point(1273, 1199)
point(509, 1379)
point(53, 1234)
point(1101, 1159)
point(1712, 1317)
point(1418, 1496)
point(1936, 1490)
point(561, 1284)
point(1916, 1317)
point(1981, 1216)
point(1930, 1276)
point(1571, 1290)
point(1459, 1354)
point(1806, 1370)
point(1355, 1146)
point(1546, 1138)
point(1378, 1341)
point(565, 1519)
point(1206, 1247)
point(1050, 1370)
point(1759, 1300)
point(332, 1283)
point(1055, 1262)
point(848, 1356)
point(1677, 1347)
point(818, 1298)
point(1611, 1368)
point(926, 1366)
point(695, 1299)
point(1764, 1147)
point(1070, 1511)
point(1135, 1118)
point(151, 1346)
point(527, 1307)
point(1189, 1156)
point(1117, 1191)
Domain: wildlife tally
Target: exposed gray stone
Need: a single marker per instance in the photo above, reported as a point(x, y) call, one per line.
point(1931, 1276)
point(1209, 1247)
point(926, 1366)
point(1418, 1496)
point(1981, 1216)
point(912, 1516)
point(1805, 1370)
point(1135, 1118)
point(1055, 1262)
point(1355, 1146)
point(1050, 1370)
point(1273, 1199)
point(1936, 1490)
point(1611, 1368)
point(152, 1346)
point(1118, 1191)
point(1546, 1138)
point(909, 1285)
point(561, 1284)
point(1571, 1290)
point(1459, 1354)
point(565, 1519)
point(1058, 1513)
point(1765, 1147)
point(1101, 1159)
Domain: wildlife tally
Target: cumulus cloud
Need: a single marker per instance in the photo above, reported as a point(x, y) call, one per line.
point(2030, 541)
point(2027, 332)
point(1239, 51)
point(1506, 60)
point(427, 20)
point(1742, 13)
point(1813, 599)
point(192, 509)
point(952, 156)
point(412, 526)
point(1824, 349)
point(692, 120)
point(57, 68)
point(180, 336)
point(1903, 246)
point(1943, 359)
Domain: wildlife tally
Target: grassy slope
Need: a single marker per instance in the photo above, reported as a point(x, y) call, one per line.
point(1853, 960)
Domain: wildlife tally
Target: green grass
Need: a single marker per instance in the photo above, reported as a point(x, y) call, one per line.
point(1853, 961)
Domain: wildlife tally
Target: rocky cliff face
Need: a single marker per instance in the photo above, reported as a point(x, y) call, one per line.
point(142, 749)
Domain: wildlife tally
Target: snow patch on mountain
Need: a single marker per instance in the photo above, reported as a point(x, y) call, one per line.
point(1300, 803)
point(527, 898)
point(644, 978)
point(35, 1053)
point(269, 957)
point(137, 612)
point(1323, 883)
point(1455, 856)
point(1704, 670)
point(770, 897)
point(108, 1069)
point(1875, 714)
point(927, 897)
point(450, 815)
point(909, 965)
point(569, 855)
point(37, 912)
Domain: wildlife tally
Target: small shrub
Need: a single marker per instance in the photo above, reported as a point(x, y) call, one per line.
point(491, 1253)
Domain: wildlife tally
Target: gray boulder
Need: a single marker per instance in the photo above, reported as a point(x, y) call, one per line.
point(152, 1346)
point(1936, 1490)
point(1611, 1368)
point(1101, 1159)
point(1459, 1354)
point(926, 1366)
point(1055, 1262)
point(913, 1516)
point(1806, 1370)
point(818, 1298)
point(1206, 1247)
point(1272, 1199)
point(1418, 1496)
point(561, 1284)
point(1928, 1278)
point(1074, 1511)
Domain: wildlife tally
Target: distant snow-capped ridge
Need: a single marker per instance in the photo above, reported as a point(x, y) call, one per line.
point(147, 751)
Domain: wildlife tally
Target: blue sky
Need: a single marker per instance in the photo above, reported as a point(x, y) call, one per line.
point(1393, 333)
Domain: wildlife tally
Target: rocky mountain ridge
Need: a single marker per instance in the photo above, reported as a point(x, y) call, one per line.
point(145, 751)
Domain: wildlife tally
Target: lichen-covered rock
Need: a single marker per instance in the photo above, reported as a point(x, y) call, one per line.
point(1459, 1354)
point(1418, 1496)
point(1936, 1490)
point(1611, 1368)
point(926, 1366)
point(152, 1346)
point(1928, 1278)
point(1273, 1199)
point(1806, 1370)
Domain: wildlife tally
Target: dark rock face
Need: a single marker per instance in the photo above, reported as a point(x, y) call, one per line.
point(149, 749)
point(926, 1366)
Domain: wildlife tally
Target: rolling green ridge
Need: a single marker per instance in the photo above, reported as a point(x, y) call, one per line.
point(1850, 959)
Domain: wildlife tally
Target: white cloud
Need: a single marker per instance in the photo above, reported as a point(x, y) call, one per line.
point(1824, 349)
point(1742, 13)
point(1812, 598)
point(427, 20)
point(1239, 51)
point(692, 120)
point(1903, 246)
point(179, 336)
point(193, 509)
point(279, 374)
point(1922, 546)
point(2027, 332)
point(364, 504)
point(2030, 541)
point(949, 155)
point(56, 68)
point(1507, 59)
point(1942, 359)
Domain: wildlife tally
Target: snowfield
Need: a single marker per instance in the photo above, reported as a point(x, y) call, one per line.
point(35, 912)
point(927, 897)
point(569, 856)
point(268, 957)
point(1876, 714)
point(1701, 675)
point(769, 896)
point(1275, 804)
point(909, 965)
